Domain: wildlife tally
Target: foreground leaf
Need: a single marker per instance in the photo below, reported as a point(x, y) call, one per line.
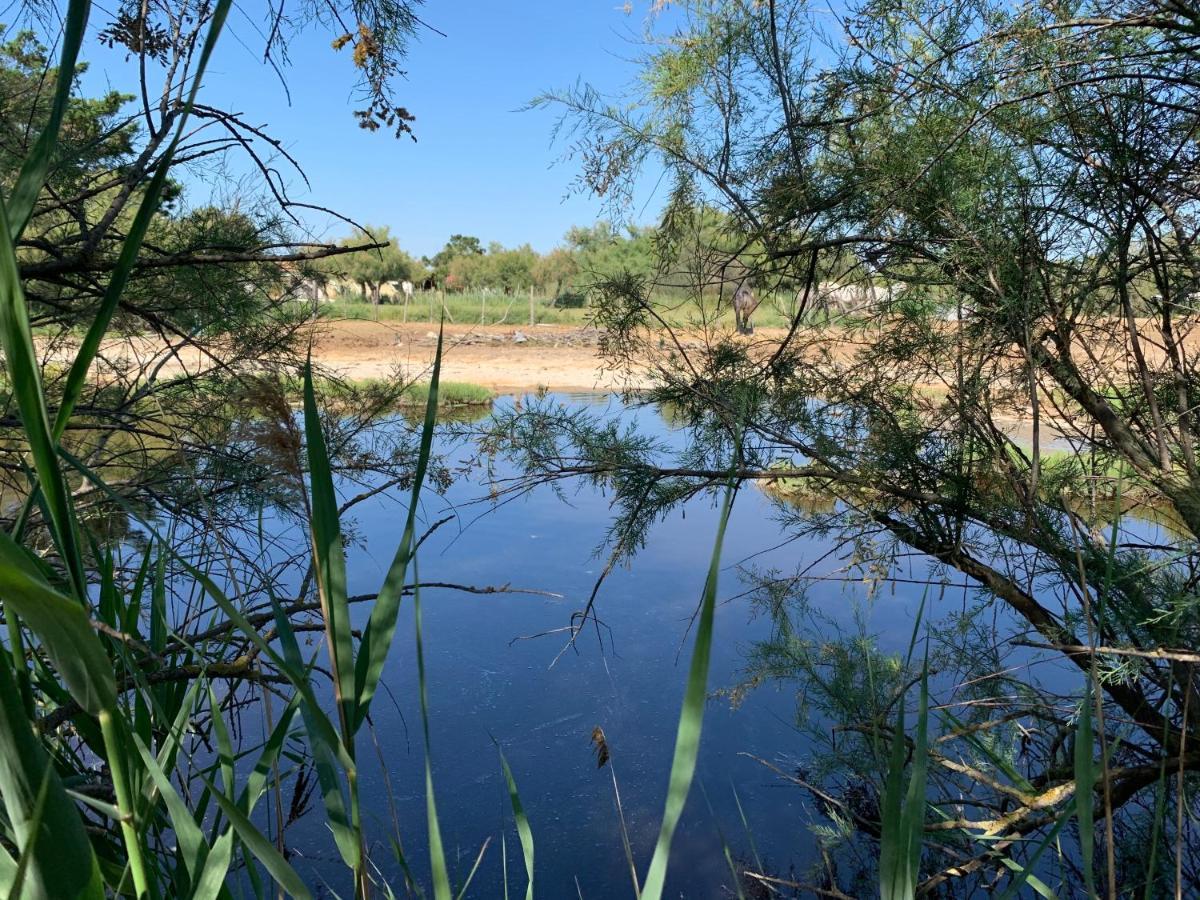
point(691, 718)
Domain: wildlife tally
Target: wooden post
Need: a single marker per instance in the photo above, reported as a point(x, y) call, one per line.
point(531, 315)
point(482, 308)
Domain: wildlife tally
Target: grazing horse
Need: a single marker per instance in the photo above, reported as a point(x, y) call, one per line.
point(744, 305)
point(842, 301)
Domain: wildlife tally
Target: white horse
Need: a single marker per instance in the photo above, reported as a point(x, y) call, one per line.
point(406, 288)
point(744, 305)
point(847, 300)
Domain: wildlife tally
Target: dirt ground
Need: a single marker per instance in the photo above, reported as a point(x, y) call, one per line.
point(505, 358)
point(518, 358)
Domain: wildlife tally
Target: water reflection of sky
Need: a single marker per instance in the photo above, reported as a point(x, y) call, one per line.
point(485, 684)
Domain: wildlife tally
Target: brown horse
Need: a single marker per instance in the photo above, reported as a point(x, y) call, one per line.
point(744, 305)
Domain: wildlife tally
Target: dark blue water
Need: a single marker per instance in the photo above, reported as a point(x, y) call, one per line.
point(489, 682)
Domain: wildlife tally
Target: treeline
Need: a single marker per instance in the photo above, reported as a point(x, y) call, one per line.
point(466, 264)
point(698, 254)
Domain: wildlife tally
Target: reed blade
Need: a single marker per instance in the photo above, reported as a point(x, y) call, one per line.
point(381, 627)
point(262, 848)
point(37, 162)
point(192, 846)
point(524, 831)
point(902, 813)
point(437, 853)
point(329, 561)
point(1085, 780)
point(63, 627)
point(61, 863)
point(691, 717)
point(16, 340)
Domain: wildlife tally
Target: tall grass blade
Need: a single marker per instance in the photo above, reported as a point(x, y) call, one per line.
point(410, 880)
point(891, 871)
point(327, 752)
point(437, 855)
point(225, 754)
point(746, 828)
point(63, 627)
point(914, 801)
point(1085, 780)
point(256, 781)
point(15, 888)
point(725, 851)
point(504, 862)
point(262, 848)
point(193, 848)
point(902, 814)
point(691, 717)
point(329, 561)
point(1024, 874)
point(16, 340)
point(381, 627)
point(524, 832)
point(37, 161)
point(62, 863)
point(8, 875)
point(462, 891)
point(211, 882)
point(1036, 884)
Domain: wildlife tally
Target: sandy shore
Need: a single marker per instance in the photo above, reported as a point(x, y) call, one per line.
point(506, 359)
point(509, 359)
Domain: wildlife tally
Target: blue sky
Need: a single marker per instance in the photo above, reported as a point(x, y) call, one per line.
point(480, 166)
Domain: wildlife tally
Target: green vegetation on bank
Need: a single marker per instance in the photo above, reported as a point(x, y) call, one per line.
point(474, 308)
point(412, 393)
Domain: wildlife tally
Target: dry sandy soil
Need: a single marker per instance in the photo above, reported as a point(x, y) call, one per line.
point(566, 357)
point(505, 358)
point(520, 358)
point(558, 357)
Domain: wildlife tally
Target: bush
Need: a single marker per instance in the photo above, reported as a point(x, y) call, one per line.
point(571, 300)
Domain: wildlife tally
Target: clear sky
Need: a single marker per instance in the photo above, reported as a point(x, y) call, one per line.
point(481, 165)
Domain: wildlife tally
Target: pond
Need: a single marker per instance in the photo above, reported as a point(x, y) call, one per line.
point(491, 682)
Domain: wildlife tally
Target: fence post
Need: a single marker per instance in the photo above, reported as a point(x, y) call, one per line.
point(531, 315)
point(482, 308)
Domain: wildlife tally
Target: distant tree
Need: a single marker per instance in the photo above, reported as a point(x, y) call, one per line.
point(458, 245)
point(372, 269)
point(469, 271)
point(511, 269)
point(602, 251)
point(554, 270)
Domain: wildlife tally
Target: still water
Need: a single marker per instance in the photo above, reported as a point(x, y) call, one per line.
point(487, 683)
